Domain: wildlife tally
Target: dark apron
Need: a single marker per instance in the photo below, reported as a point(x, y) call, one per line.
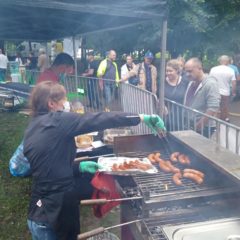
point(57, 204)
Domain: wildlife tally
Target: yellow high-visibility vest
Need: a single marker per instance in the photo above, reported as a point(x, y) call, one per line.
point(103, 67)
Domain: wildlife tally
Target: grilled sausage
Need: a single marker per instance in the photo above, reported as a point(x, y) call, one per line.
point(196, 178)
point(183, 159)
point(189, 170)
point(121, 167)
point(176, 178)
point(173, 169)
point(163, 166)
point(114, 167)
point(151, 158)
point(174, 156)
point(187, 160)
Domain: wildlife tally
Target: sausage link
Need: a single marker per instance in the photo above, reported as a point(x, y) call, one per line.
point(152, 158)
point(163, 166)
point(174, 156)
point(173, 169)
point(190, 170)
point(183, 159)
point(114, 167)
point(196, 178)
point(177, 179)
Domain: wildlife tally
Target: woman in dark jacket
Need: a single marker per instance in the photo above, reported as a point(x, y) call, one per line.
point(175, 89)
point(49, 146)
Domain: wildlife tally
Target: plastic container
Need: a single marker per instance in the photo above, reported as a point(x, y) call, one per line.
point(16, 77)
point(18, 164)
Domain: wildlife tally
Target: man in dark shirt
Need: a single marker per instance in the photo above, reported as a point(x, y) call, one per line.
point(92, 85)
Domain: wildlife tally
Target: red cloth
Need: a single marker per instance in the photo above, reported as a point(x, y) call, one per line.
point(105, 187)
point(47, 75)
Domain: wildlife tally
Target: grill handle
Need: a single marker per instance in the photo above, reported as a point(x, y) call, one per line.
point(94, 201)
point(91, 233)
point(93, 157)
point(102, 201)
point(102, 229)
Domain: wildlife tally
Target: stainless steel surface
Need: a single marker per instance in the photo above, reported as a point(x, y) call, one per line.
point(214, 230)
point(233, 237)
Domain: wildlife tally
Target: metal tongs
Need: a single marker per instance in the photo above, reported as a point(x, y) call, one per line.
point(162, 134)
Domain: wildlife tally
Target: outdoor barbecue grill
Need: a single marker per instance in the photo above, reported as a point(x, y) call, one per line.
point(190, 211)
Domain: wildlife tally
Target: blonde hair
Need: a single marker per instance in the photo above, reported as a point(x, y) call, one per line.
point(175, 64)
point(42, 93)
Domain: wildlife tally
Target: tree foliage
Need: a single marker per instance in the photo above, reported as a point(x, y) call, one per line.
point(196, 27)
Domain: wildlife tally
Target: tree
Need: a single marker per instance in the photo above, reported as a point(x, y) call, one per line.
point(199, 27)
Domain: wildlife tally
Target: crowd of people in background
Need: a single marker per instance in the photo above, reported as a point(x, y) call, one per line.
point(179, 85)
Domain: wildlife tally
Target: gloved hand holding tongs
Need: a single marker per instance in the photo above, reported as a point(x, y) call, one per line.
point(154, 122)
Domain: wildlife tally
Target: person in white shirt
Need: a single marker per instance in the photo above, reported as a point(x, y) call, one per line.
point(226, 79)
point(3, 66)
point(128, 66)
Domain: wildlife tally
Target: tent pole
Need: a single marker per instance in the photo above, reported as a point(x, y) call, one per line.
point(75, 58)
point(162, 66)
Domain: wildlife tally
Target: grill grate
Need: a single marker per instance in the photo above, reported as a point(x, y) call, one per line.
point(161, 184)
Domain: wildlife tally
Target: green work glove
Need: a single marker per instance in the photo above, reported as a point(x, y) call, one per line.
point(88, 166)
point(154, 122)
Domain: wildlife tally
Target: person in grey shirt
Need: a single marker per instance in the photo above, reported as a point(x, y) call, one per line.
point(202, 95)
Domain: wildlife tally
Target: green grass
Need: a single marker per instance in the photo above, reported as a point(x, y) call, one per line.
point(15, 192)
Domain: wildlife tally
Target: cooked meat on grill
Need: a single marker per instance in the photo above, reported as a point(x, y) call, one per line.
point(177, 179)
point(154, 157)
point(134, 164)
point(196, 178)
point(180, 157)
point(173, 169)
point(190, 170)
point(184, 159)
point(164, 167)
point(174, 157)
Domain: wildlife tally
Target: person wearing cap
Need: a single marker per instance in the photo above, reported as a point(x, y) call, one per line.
point(62, 64)
point(146, 73)
point(50, 148)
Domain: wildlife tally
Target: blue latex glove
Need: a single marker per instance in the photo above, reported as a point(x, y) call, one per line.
point(89, 167)
point(154, 122)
